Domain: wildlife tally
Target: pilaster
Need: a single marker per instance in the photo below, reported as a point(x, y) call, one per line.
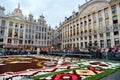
point(110, 15)
point(97, 22)
point(118, 12)
point(103, 15)
point(112, 39)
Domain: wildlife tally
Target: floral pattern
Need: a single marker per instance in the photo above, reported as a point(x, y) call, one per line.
point(87, 68)
point(66, 76)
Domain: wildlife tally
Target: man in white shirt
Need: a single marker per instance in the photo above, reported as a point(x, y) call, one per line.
point(38, 51)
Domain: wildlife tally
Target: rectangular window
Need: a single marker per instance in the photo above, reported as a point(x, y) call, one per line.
point(2, 31)
point(16, 33)
point(10, 33)
point(25, 41)
point(114, 9)
point(101, 35)
point(21, 33)
point(107, 22)
point(108, 34)
point(81, 44)
point(102, 43)
point(3, 23)
point(32, 36)
point(9, 41)
point(100, 14)
point(26, 30)
point(36, 28)
point(106, 12)
point(109, 43)
point(1, 40)
point(20, 41)
point(32, 31)
point(29, 30)
point(10, 24)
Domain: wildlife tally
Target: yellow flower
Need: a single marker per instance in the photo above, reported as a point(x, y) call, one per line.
point(85, 72)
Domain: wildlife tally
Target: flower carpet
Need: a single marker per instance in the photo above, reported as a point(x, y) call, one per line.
point(53, 68)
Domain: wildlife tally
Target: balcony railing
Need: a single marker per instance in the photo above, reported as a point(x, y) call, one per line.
point(116, 36)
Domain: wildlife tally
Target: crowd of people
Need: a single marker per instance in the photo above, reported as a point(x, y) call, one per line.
point(96, 52)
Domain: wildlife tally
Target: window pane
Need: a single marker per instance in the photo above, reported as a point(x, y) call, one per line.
point(3, 22)
point(10, 24)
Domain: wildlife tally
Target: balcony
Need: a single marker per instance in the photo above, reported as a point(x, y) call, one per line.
point(16, 37)
point(116, 36)
point(89, 33)
point(101, 38)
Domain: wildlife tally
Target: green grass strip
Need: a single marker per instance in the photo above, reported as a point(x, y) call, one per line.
point(53, 73)
point(103, 74)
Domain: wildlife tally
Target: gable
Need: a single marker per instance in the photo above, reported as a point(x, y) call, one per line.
point(92, 7)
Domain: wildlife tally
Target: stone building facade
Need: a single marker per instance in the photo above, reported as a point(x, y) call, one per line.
point(18, 31)
point(97, 23)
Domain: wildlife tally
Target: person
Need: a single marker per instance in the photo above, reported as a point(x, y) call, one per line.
point(28, 52)
point(106, 52)
point(3, 52)
point(38, 51)
point(78, 50)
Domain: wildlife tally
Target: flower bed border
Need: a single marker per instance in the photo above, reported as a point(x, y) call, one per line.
point(103, 74)
point(53, 73)
point(94, 77)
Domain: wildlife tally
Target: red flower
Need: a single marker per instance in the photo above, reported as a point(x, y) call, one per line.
point(91, 68)
point(95, 69)
point(66, 76)
point(103, 65)
point(95, 63)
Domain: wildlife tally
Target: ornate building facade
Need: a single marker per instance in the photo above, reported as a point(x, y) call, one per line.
point(97, 23)
point(18, 31)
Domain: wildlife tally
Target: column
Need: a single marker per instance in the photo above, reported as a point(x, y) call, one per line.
point(105, 39)
point(118, 12)
point(92, 21)
point(97, 21)
point(103, 16)
point(112, 39)
point(110, 15)
point(98, 40)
